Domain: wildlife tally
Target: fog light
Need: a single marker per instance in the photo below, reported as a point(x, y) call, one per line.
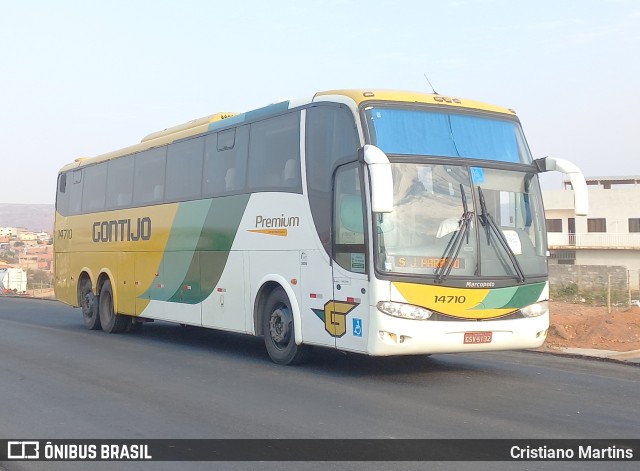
point(388, 337)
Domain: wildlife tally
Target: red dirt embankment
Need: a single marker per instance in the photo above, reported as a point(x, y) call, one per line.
point(581, 326)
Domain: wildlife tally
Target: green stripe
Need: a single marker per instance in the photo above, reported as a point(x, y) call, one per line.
point(514, 297)
point(497, 298)
point(253, 115)
point(223, 123)
point(180, 248)
point(201, 238)
point(526, 295)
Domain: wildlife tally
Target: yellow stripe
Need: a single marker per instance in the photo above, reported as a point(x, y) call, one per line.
point(413, 97)
point(275, 232)
point(457, 302)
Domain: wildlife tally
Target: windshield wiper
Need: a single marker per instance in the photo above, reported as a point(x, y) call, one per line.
point(490, 226)
point(452, 249)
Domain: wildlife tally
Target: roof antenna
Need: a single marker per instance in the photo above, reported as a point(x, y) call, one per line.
point(429, 82)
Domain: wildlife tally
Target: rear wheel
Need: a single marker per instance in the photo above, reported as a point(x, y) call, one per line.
point(89, 305)
point(278, 328)
point(111, 322)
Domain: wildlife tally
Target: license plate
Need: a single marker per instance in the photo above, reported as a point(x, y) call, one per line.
point(477, 337)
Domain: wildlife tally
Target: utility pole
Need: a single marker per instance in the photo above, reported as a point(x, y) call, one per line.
point(609, 295)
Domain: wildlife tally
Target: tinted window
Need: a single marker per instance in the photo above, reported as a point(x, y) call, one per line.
point(422, 132)
point(274, 154)
point(75, 192)
point(95, 187)
point(148, 184)
point(184, 169)
point(225, 161)
point(331, 137)
point(62, 197)
point(349, 248)
point(120, 182)
point(226, 139)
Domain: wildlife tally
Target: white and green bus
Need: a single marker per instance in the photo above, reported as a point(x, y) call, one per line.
point(377, 222)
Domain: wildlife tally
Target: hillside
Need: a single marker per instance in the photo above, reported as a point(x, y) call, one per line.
point(35, 217)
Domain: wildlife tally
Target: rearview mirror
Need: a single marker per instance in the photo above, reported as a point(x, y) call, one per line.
point(578, 183)
point(381, 179)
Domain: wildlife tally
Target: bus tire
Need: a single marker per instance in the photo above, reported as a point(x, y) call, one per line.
point(89, 305)
point(111, 322)
point(279, 336)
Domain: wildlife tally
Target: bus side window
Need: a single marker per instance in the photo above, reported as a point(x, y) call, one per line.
point(148, 182)
point(75, 194)
point(120, 182)
point(95, 188)
point(349, 247)
point(274, 149)
point(331, 137)
point(62, 197)
point(226, 140)
point(225, 161)
point(184, 169)
point(231, 179)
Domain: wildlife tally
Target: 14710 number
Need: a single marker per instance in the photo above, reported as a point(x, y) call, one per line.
point(451, 299)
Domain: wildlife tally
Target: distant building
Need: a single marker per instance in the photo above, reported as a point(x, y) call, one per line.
point(13, 280)
point(43, 236)
point(27, 236)
point(609, 235)
point(8, 231)
point(39, 257)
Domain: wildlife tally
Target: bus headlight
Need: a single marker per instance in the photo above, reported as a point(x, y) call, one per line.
point(535, 310)
point(405, 311)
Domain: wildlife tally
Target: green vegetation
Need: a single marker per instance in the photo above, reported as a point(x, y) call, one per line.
point(571, 292)
point(37, 279)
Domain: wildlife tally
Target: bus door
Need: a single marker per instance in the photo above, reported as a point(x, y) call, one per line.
point(346, 319)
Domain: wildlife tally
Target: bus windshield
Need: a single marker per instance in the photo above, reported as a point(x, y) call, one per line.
point(415, 131)
point(455, 220)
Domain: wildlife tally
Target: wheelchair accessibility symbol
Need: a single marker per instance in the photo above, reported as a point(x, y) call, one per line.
point(357, 327)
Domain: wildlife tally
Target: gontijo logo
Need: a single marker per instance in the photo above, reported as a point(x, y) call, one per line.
point(122, 230)
point(275, 226)
point(334, 316)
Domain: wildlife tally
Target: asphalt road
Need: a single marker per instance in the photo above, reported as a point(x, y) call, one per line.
point(58, 380)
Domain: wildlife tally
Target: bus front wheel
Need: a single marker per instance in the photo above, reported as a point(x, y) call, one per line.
point(279, 337)
point(111, 322)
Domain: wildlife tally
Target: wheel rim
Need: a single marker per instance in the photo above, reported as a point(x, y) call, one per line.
point(87, 302)
point(280, 327)
point(87, 307)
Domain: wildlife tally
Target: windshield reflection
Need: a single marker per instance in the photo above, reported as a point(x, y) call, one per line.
point(435, 230)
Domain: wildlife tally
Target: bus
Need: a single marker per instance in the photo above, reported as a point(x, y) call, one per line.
point(371, 221)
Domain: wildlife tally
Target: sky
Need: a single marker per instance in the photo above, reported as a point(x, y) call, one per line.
point(81, 78)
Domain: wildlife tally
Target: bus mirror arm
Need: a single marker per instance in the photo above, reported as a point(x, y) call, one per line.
point(578, 183)
point(381, 179)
